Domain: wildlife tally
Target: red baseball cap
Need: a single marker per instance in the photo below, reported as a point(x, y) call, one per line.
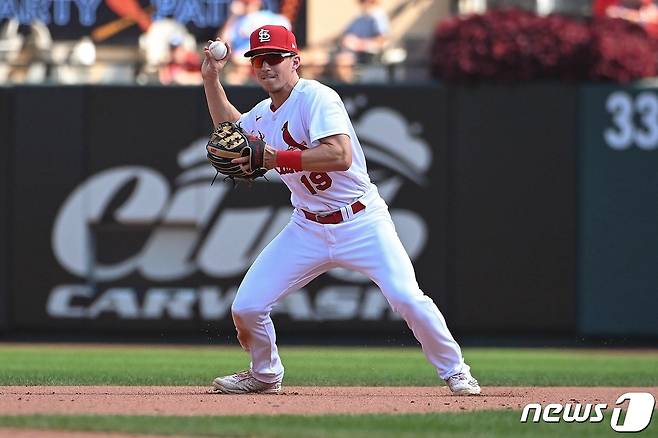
point(271, 37)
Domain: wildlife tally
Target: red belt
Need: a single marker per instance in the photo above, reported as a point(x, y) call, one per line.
point(332, 218)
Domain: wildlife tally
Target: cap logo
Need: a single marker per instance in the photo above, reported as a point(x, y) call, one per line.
point(264, 35)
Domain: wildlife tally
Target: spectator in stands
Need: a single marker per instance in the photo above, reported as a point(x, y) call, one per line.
point(363, 40)
point(25, 52)
point(642, 12)
point(245, 17)
point(183, 67)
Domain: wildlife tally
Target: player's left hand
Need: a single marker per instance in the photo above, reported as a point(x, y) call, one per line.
point(235, 153)
point(269, 159)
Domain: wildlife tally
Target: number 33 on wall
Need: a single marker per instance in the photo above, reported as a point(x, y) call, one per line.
point(624, 110)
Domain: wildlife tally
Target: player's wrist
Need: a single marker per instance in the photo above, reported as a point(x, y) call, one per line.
point(289, 159)
point(211, 81)
point(269, 157)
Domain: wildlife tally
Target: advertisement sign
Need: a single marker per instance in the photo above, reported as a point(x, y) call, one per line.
point(129, 233)
point(121, 20)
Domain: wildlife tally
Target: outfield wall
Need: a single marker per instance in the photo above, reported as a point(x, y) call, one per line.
point(618, 218)
point(6, 142)
point(113, 228)
point(513, 210)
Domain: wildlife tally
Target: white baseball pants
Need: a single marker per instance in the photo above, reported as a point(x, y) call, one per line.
point(304, 249)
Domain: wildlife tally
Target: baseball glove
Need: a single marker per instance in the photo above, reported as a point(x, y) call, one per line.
point(229, 141)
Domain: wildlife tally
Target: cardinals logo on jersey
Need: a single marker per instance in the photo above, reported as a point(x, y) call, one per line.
point(290, 141)
point(292, 144)
point(315, 181)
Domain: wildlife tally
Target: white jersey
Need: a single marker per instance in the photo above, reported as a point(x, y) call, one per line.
point(311, 112)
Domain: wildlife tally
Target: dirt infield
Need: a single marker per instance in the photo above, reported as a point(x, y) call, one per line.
point(158, 400)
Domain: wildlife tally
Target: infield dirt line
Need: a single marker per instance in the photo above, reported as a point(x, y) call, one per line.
point(46, 433)
point(190, 401)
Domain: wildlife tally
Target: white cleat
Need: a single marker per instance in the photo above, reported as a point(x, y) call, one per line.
point(463, 384)
point(243, 383)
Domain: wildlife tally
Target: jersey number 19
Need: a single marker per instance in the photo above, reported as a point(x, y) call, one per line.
point(316, 181)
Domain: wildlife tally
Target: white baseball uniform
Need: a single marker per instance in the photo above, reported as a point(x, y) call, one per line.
point(365, 240)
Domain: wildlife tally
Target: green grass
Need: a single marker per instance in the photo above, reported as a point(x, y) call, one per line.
point(113, 365)
point(150, 365)
point(471, 425)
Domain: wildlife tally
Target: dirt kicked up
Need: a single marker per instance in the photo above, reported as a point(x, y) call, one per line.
point(188, 401)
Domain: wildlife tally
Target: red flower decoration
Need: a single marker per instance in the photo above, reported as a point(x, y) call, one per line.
point(513, 45)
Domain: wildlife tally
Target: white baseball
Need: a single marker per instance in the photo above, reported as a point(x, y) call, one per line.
point(218, 50)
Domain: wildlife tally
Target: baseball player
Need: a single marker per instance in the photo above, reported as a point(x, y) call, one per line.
point(339, 219)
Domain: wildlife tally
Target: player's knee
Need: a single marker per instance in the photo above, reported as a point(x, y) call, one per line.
point(404, 302)
point(400, 304)
point(247, 313)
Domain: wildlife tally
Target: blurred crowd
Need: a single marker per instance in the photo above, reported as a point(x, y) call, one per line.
point(166, 52)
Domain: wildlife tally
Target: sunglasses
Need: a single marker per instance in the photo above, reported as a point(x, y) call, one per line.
point(272, 58)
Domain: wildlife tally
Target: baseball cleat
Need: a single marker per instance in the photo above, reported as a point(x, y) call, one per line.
point(463, 384)
point(243, 382)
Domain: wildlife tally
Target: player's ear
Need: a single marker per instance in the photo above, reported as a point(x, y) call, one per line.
point(296, 62)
